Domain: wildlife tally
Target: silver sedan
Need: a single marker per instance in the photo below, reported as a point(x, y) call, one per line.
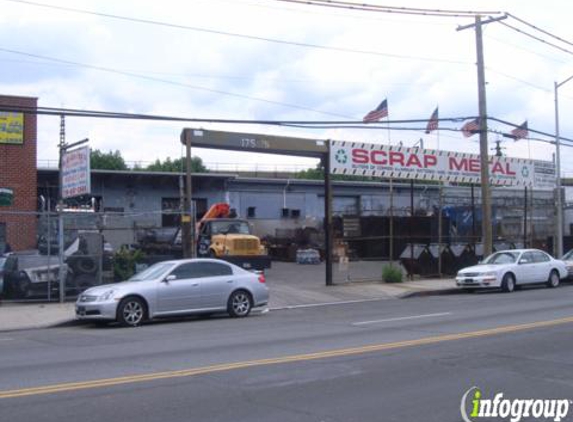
point(178, 287)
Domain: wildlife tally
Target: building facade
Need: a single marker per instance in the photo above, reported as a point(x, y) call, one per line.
point(18, 174)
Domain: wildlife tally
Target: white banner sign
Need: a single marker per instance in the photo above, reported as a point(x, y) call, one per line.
point(76, 179)
point(362, 159)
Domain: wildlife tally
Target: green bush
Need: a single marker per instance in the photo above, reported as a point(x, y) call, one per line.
point(391, 274)
point(124, 262)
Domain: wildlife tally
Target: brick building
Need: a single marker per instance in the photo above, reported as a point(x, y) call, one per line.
point(18, 173)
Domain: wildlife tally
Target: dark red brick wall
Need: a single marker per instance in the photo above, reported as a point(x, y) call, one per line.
point(18, 172)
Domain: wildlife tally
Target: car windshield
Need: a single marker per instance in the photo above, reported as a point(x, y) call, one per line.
point(2, 262)
point(501, 258)
point(226, 227)
point(152, 272)
point(568, 256)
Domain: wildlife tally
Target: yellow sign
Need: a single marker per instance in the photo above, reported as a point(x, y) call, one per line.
point(11, 128)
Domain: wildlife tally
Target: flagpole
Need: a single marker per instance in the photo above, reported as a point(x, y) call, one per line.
point(440, 206)
point(391, 192)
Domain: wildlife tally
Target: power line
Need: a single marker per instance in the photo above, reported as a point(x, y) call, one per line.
point(341, 15)
point(392, 9)
point(518, 80)
point(154, 79)
point(536, 38)
point(307, 124)
point(527, 50)
point(539, 29)
point(234, 34)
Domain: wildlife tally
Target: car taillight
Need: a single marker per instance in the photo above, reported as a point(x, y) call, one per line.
point(262, 278)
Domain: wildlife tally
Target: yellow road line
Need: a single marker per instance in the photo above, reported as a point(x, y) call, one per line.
point(108, 382)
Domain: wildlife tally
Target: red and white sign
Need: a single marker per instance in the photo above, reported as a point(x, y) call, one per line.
point(361, 159)
point(76, 178)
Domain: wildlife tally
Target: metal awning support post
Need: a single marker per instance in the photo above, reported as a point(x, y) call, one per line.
point(327, 216)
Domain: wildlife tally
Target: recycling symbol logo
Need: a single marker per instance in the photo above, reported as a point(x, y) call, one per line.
point(525, 171)
point(341, 156)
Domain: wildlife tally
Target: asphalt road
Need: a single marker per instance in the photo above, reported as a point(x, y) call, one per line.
point(390, 360)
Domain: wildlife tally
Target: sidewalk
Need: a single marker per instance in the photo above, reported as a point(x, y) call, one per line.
point(303, 288)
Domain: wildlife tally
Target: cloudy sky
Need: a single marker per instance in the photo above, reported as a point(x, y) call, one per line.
point(215, 59)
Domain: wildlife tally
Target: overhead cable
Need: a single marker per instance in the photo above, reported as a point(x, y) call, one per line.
point(245, 36)
point(536, 38)
point(539, 29)
point(392, 9)
point(345, 124)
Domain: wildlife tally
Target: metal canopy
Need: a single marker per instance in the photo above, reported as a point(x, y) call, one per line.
point(254, 142)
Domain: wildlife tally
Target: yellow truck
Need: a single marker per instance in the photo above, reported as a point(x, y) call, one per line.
point(223, 236)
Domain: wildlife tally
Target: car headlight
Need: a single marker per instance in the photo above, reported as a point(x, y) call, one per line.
point(107, 295)
point(489, 274)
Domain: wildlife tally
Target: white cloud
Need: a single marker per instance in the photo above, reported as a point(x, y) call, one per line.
point(520, 71)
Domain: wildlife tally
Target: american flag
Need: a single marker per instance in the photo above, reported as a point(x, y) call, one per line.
point(433, 122)
point(520, 132)
point(471, 128)
point(378, 113)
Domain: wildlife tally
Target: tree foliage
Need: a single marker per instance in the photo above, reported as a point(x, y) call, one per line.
point(107, 160)
point(177, 165)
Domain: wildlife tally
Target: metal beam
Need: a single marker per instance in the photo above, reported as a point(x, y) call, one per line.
point(254, 142)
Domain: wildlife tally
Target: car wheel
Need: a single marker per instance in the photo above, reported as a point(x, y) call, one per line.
point(239, 304)
point(553, 280)
point(508, 283)
point(131, 312)
point(23, 287)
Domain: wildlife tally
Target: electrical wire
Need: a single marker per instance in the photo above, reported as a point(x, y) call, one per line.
point(341, 15)
point(179, 84)
point(245, 36)
point(286, 123)
point(536, 53)
point(536, 38)
point(518, 80)
point(539, 29)
point(391, 9)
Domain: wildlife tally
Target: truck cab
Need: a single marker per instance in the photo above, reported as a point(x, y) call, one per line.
point(230, 239)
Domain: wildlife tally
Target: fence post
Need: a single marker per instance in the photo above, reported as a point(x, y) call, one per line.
point(62, 273)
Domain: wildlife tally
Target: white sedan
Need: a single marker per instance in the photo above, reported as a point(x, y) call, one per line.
point(511, 268)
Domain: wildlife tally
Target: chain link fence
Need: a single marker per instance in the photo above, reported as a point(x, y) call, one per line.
point(402, 226)
point(414, 235)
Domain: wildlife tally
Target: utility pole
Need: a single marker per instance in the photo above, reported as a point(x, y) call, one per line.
point(558, 251)
point(187, 220)
point(487, 232)
point(60, 208)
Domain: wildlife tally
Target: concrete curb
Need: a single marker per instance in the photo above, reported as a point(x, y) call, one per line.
point(426, 293)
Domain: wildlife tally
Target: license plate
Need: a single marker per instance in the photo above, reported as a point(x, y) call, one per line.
point(469, 280)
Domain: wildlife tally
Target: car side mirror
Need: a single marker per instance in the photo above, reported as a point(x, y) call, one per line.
point(169, 278)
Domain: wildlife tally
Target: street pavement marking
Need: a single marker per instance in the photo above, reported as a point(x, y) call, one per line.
point(401, 318)
point(317, 305)
point(108, 382)
point(6, 339)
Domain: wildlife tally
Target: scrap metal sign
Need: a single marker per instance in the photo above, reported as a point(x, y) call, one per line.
point(76, 172)
point(362, 159)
